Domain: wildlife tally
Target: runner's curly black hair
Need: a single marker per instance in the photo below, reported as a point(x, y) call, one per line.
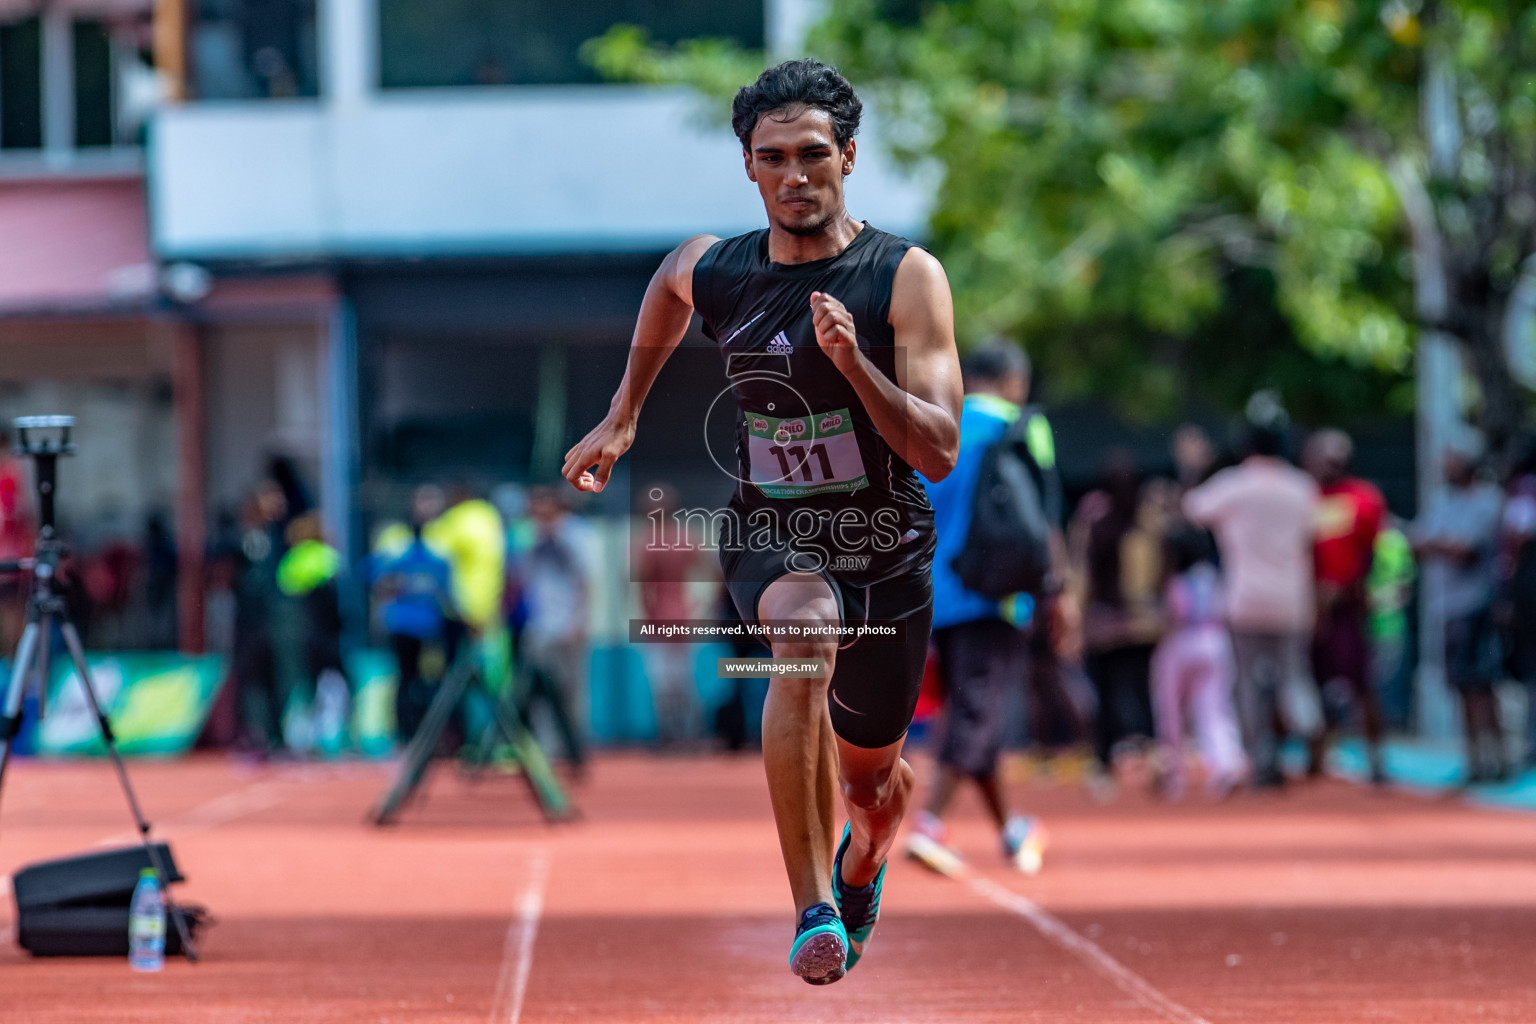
point(793, 85)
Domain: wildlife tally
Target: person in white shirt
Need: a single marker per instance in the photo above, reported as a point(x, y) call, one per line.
point(1263, 513)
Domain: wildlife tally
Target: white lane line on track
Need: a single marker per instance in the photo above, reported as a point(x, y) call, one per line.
point(248, 799)
point(512, 981)
point(1086, 950)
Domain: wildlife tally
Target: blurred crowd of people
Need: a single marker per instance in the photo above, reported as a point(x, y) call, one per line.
point(1247, 602)
point(459, 576)
point(1228, 602)
point(273, 605)
point(1221, 613)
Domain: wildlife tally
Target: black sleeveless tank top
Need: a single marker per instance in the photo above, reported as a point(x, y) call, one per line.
point(804, 440)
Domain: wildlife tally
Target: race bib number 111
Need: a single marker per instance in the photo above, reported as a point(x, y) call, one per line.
point(804, 455)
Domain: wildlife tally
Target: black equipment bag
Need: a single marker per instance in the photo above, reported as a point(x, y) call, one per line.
point(1008, 545)
point(78, 906)
point(94, 930)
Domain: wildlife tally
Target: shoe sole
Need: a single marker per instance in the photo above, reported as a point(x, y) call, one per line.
point(1031, 856)
point(934, 856)
point(821, 959)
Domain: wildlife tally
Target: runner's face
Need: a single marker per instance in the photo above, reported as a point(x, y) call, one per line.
point(799, 169)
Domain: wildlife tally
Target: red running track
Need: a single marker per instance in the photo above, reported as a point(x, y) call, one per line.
point(667, 903)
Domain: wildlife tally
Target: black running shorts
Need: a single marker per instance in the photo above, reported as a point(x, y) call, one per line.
point(875, 682)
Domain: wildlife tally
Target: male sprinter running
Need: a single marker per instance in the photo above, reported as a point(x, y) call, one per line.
point(839, 342)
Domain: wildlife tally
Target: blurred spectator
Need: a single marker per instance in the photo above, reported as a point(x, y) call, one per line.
point(1518, 607)
point(1194, 456)
point(1192, 673)
point(1349, 516)
point(296, 497)
point(107, 576)
point(260, 621)
point(554, 584)
point(470, 535)
point(980, 651)
point(223, 567)
point(159, 566)
point(16, 527)
point(307, 574)
point(1263, 512)
point(1460, 531)
point(511, 500)
point(1121, 621)
point(221, 573)
point(414, 591)
point(18, 531)
point(1391, 589)
point(1058, 696)
point(667, 561)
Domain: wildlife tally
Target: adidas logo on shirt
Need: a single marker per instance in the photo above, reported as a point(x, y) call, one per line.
point(780, 345)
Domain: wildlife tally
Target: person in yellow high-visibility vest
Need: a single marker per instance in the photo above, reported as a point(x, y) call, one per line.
point(471, 537)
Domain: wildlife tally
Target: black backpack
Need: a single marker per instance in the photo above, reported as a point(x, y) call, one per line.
point(1008, 546)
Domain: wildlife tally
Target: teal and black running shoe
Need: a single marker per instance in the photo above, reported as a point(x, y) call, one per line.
point(860, 907)
point(820, 952)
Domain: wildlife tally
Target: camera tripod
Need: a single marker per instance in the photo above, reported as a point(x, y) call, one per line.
point(506, 724)
point(46, 609)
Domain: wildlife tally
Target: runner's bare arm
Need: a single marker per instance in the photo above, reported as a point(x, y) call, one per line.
point(919, 414)
point(664, 315)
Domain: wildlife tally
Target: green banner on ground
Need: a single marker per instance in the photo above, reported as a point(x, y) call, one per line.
point(156, 702)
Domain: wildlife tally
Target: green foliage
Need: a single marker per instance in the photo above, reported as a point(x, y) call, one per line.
point(1487, 204)
point(1124, 180)
point(1108, 165)
point(714, 67)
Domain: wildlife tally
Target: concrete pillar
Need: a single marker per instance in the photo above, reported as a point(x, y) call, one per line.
point(1438, 383)
point(340, 438)
point(1439, 374)
point(187, 396)
point(349, 44)
point(58, 85)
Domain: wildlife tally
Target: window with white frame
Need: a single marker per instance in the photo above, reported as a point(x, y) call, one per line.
point(70, 81)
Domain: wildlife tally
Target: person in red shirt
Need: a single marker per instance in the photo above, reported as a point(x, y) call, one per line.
point(17, 532)
point(1350, 512)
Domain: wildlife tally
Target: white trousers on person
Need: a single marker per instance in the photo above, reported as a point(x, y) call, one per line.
point(1192, 673)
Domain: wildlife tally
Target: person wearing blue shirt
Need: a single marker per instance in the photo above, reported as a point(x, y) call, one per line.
point(416, 587)
point(980, 641)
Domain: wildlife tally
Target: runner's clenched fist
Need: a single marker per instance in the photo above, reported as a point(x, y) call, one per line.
point(834, 330)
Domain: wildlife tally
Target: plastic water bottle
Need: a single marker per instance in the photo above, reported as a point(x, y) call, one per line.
point(146, 924)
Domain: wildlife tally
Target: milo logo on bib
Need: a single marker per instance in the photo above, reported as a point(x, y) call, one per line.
point(804, 455)
point(788, 430)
